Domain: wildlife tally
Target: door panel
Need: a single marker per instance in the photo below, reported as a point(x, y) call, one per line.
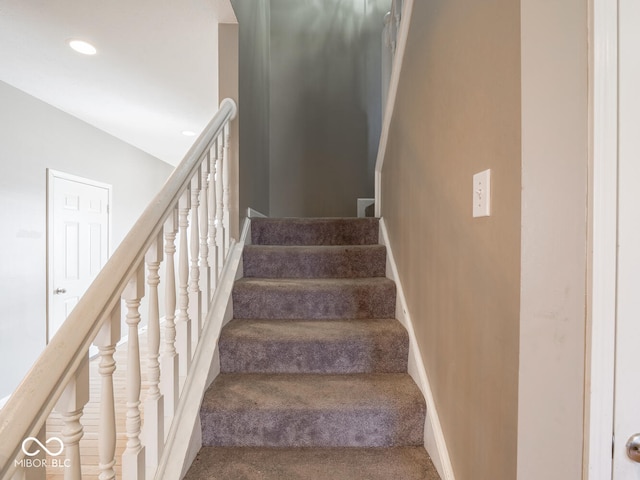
point(79, 225)
point(627, 376)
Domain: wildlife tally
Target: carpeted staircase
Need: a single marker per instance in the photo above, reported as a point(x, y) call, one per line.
point(313, 381)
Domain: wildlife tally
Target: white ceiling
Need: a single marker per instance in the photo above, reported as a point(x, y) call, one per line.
point(154, 74)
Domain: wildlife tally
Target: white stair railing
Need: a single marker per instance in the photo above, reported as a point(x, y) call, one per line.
point(197, 192)
point(389, 44)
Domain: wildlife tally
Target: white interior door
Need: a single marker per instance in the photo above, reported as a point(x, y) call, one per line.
point(78, 241)
point(627, 371)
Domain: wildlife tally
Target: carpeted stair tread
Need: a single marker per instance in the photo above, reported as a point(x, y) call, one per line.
point(314, 231)
point(229, 463)
point(320, 298)
point(314, 346)
point(313, 410)
point(340, 261)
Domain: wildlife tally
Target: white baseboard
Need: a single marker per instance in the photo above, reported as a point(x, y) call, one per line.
point(434, 440)
point(4, 400)
point(251, 213)
point(363, 203)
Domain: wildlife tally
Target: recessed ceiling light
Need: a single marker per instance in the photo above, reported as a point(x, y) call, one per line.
point(188, 133)
point(83, 47)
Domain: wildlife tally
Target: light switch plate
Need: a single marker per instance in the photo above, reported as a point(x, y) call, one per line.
point(482, 194)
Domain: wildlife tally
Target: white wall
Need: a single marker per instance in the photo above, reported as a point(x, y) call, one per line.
point(35, 136)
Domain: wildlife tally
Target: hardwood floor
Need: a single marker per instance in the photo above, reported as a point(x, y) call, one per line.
point(90, 419)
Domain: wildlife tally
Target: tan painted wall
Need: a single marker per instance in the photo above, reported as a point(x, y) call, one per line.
point(458, 113)
point(554, 211)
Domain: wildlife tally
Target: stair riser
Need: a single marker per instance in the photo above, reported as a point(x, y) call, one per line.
point(385, 355)
point(359, 301)
point(229, 463)
point(309, 428)
point(360, 231)
point(295, 263)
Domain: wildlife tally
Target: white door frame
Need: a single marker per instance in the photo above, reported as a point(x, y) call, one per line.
point(603, 208)
point(51, 174)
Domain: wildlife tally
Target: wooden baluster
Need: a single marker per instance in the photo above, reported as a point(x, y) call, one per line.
point(106, 341)
point(183, 322)
point(195, 297)
point(226, 160)
point(133, 458)
point(205, 271)
point(213, 246)
point(70, 406)
point(169, 385)
point(154, 403)
point(219, 205)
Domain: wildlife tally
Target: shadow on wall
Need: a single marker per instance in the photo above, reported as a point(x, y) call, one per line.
point(325, 112)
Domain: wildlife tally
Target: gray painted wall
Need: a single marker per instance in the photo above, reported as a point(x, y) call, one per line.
point(325, 112)
point(310, 107)
point(35, 136)
point(254, 32)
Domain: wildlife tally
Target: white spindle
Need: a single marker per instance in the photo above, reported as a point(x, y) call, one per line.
point(133, 458)
point(154, 403)
point(169, 385)
point(106, 341)
point(183, 322)
point(70, 406)
point(226, 160)
point(205, 271)
point(219, 205)
point(213, 247)
point(195, 298)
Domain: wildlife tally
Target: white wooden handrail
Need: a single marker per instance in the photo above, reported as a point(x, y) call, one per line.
point(26, 411)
